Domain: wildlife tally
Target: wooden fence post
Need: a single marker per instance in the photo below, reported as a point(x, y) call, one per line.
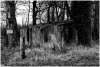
point(22, 47)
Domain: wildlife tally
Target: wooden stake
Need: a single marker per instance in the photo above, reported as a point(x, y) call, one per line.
point(22, 47)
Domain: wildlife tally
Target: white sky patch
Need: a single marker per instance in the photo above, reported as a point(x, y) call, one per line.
point(19, 20)
point(21, 14)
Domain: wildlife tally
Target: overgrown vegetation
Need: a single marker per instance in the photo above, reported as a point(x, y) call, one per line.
point(62, 37)
point(73, 55)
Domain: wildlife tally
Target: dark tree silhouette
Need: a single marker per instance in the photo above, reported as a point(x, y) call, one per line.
point(11, 21)
point(81, 12)
point(34, 13)
point(95, 31)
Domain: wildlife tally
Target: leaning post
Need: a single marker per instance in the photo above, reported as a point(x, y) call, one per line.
point(22, 44)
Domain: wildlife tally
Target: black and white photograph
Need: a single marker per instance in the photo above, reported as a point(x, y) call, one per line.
point(49, 33)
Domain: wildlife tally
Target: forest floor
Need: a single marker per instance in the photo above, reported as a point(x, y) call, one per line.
point(74, 56)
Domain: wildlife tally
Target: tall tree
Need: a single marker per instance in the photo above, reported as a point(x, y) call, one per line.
point(81, 16)
point(95, 31)
point(48, 15)
point(11, 20)
point(52, 14)
point(34, 13)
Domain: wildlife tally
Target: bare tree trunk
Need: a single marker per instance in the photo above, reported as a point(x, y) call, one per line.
point(28, 13)
point(56, 12)
point(63, 11)
point(48, 14)
point(34, 13)
point(52, 14)
point(34, 17)
point(11, 21)
point(95, 31)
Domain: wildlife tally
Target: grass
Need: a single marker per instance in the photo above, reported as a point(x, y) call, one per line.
point(74, 56)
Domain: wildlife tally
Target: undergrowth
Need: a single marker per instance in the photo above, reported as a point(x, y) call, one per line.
point(74, 55)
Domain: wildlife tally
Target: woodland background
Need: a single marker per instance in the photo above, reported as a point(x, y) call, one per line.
point(52, 33)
